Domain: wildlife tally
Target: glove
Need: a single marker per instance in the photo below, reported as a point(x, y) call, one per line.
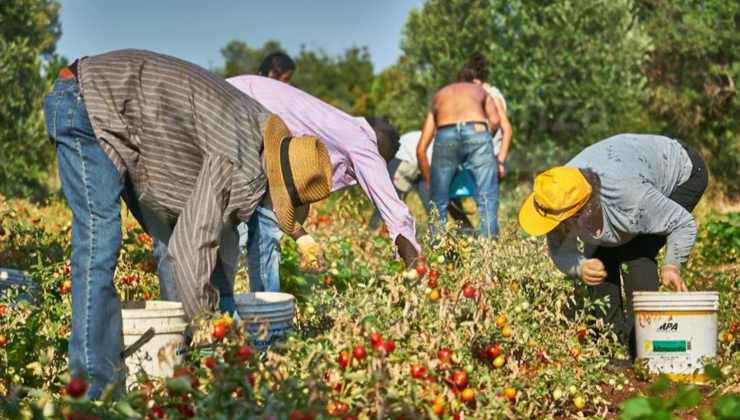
point(312, 256)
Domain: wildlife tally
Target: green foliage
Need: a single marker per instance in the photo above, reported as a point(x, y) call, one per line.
point(28, 29)
point(240, 58)
point(343, 81)
point(719, 239)
point(692, 77)
point(665, 398)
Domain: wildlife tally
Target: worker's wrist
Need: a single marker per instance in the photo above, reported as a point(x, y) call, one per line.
point(671, 267)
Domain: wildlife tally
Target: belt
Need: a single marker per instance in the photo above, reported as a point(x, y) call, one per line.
point(463, 124)
point(69, 72)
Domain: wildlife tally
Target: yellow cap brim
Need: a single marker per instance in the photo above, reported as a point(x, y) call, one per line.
point(532, 221)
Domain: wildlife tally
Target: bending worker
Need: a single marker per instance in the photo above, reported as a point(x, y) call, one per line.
point(144, 126)
point(625, 198)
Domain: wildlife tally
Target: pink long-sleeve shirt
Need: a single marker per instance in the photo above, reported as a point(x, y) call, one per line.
point(352, 145)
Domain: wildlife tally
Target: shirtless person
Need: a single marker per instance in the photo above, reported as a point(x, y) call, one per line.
point(461, 118)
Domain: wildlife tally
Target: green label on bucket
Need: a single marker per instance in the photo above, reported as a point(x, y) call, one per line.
point(669, 346)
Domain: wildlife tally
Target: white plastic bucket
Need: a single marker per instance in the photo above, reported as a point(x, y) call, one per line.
point(159, 356)
point(676, 331)
point(267, 316)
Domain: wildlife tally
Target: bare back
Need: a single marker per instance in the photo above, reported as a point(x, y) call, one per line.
point(459, 102)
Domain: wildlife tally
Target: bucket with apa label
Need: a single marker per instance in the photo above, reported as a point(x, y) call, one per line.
point(675, 332)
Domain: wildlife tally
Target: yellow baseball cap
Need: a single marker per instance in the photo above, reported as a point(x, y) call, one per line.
point(559, 193)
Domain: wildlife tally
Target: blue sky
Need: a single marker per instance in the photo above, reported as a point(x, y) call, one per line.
point(197, 30)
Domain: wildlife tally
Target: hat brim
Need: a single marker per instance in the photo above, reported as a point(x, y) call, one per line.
point(532, 221)
point(273, 134)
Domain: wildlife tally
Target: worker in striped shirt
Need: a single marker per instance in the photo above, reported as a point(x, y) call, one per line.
point(190, 155)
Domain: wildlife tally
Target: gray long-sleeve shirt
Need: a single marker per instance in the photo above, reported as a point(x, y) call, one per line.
point(190, 143)
point(638, 173)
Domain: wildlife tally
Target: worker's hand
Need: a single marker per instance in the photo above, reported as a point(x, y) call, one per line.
point(670, 276)
point(593, 271)
point(312, 256)
point(501, 170)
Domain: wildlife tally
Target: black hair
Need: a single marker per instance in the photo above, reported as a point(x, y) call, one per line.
point(277, 62)
point(590, 216)
point(474, 68)
point(387, 137)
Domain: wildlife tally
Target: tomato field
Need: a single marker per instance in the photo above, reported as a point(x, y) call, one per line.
point(482, 330)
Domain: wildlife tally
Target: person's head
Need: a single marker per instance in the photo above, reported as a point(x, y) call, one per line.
point(474, 70)
point(563, 197)
point(278, 66)
point(387, 137)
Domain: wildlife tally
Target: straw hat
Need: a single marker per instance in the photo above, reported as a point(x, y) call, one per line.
point(298, 171)
point(559, 193)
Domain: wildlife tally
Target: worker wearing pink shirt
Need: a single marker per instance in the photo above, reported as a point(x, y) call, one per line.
point(359, 154)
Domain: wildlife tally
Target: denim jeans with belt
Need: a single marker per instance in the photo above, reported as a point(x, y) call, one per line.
point(462, 144)
point(92, 187)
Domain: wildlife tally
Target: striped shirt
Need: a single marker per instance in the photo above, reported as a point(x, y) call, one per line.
point(191, 145)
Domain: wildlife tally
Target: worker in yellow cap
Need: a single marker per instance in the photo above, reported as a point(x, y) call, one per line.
point(625, 198)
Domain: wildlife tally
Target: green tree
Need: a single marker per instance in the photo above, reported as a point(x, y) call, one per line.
point(570, 70)
point(29, 30)
point(693, 73)
point(343, 81)
point(240, 58)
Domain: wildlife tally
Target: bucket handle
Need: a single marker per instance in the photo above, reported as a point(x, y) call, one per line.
point(145, 338)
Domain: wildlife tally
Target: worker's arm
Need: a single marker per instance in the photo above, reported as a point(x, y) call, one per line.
point(427, 134)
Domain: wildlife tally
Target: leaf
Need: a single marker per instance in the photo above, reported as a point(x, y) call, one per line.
point(636, 408)
point(713, 372)
point(660, 386)
point(727, 407)
point(688, 397)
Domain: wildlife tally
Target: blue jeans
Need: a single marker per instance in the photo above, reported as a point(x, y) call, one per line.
point(261, 237)
point(92, 187)
point(458, 145)
point(223, 274)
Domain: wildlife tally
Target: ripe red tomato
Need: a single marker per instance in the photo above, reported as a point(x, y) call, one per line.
point(3, 340)
point(493, 351)
point(76, 387)
point(209, 362)
point(376, 338)
point(389, 346)
point(733, 328)
point(343, 359)
point(432, 283)
point(444, 355)
point(460, 378)
point(581, 333)
point(433, 275)
point(156, 411)
point(469, 291)
point(418, 371)
point(219, 331)
point(359, 352)
point(421, 268)
point(245, 352)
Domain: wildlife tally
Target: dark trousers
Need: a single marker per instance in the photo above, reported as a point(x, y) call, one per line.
point(639, 255)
